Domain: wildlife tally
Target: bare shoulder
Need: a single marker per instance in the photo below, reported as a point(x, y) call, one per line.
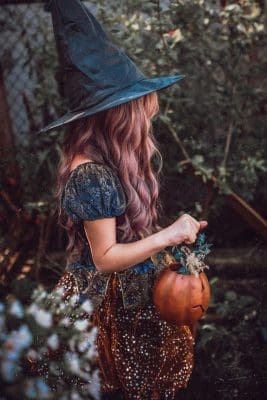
point(78, 160)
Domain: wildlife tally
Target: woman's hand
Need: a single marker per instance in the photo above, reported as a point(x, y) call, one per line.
point(184, 229)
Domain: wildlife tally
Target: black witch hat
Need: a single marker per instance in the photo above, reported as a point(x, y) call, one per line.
point(96, 75)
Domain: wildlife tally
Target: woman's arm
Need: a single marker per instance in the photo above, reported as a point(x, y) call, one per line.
point(110, 256)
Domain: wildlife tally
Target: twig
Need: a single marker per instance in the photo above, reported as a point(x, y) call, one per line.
point(178, 141)
point(13, 207)
point(161, 32)
point(228, 143)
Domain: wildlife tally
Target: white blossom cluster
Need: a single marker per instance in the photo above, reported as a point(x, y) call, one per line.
point(47, 348)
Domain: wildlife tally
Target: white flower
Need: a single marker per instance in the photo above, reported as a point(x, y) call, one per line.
point(178, 37)
point(62, 306)
point(74, 299)
point(91, 353)
point(23, 337)
point(81, 324)
point(43, 318)
point(72, 343)
point(73, 362)
point(94, 386)
point(16, 309)
point(53, 341)
point(75, 396)
point(86, 341)
point(20, 340)
point(59, 291)
point(33, 309)
point(8, 370)
point(83, 345)
point(91, 338)
point(87, 306)
point(65, 321)
point(135, 27)
point(259, 27)
point(42, 388)
point(39, 294)
point(92, 334)
point(36, 389)
point(241, 28)
point(232, 7)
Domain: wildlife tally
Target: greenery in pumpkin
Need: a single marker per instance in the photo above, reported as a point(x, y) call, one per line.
point(182, 292)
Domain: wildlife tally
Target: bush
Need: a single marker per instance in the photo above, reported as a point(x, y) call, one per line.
point(47, 348)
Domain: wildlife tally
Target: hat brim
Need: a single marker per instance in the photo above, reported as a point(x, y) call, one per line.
point(122, 96)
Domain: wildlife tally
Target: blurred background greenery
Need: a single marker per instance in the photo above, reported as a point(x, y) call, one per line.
point(212, 134)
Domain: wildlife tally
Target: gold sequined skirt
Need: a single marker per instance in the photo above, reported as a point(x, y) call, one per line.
point(140, 355)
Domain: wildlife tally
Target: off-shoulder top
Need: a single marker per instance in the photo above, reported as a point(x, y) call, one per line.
point(94, 191)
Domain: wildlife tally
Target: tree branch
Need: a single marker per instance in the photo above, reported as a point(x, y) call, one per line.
point(228, 143)
point(178, 141)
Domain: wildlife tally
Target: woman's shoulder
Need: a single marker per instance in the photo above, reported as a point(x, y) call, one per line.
point(93, 187)
point(88, 168)
point(92, 174)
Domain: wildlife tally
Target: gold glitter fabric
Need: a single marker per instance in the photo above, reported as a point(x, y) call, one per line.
point(139, 355)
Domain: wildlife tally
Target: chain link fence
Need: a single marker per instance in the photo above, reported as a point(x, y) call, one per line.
point(26, 45)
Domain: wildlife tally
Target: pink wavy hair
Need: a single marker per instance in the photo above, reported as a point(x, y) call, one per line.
point(121, 138)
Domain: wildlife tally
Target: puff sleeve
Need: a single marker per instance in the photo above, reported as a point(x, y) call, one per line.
point(93, 191)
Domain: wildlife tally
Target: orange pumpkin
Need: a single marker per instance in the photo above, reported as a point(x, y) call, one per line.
point(181, 299)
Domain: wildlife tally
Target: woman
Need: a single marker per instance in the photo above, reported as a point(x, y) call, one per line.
point(109, 193)
point(108, 203)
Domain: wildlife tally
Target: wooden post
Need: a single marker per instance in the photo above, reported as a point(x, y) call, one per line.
point(6, 137)
point(10, 175)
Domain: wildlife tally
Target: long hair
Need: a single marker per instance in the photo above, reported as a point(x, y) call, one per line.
point(121, 138)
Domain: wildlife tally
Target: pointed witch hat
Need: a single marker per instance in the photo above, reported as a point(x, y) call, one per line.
point(95, 74)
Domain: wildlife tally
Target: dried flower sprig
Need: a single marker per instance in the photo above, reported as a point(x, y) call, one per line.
point(191, 258)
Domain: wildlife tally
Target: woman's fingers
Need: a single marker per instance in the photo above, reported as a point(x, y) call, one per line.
point(195, 227)
point(191, 238)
